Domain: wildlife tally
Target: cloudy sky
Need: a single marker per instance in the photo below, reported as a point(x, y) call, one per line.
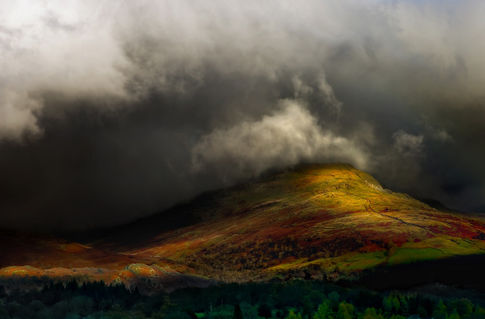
point(113, 110)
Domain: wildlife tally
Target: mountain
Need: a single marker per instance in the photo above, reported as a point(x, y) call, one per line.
point(330, 222)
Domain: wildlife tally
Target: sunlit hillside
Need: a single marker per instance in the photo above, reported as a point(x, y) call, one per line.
point(315, 221)
point(329, 220)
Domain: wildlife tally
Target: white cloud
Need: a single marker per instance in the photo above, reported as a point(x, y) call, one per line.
point(287, 136)
point(56, 46)
point(16, 114)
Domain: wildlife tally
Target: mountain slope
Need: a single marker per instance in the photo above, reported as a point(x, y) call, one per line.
point(330, 219)
point(316, 221)
point(27, 255)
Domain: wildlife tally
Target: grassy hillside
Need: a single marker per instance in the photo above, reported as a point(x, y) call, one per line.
point(316, 221)
point(328, 220)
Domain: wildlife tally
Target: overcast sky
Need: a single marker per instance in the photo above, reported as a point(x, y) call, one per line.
point(113, 110)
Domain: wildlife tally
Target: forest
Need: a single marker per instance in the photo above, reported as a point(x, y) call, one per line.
point(297, 299)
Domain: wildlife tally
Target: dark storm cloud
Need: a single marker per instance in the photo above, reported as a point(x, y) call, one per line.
point(110, 111)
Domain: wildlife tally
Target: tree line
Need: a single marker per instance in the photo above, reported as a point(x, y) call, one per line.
point(296, 299)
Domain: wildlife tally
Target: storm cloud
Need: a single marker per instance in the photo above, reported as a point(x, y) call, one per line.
point(110, 111)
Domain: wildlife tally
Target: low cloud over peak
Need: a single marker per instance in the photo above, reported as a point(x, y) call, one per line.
point(284, 138)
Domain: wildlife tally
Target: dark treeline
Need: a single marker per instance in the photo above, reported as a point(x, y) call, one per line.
point(294, 300)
